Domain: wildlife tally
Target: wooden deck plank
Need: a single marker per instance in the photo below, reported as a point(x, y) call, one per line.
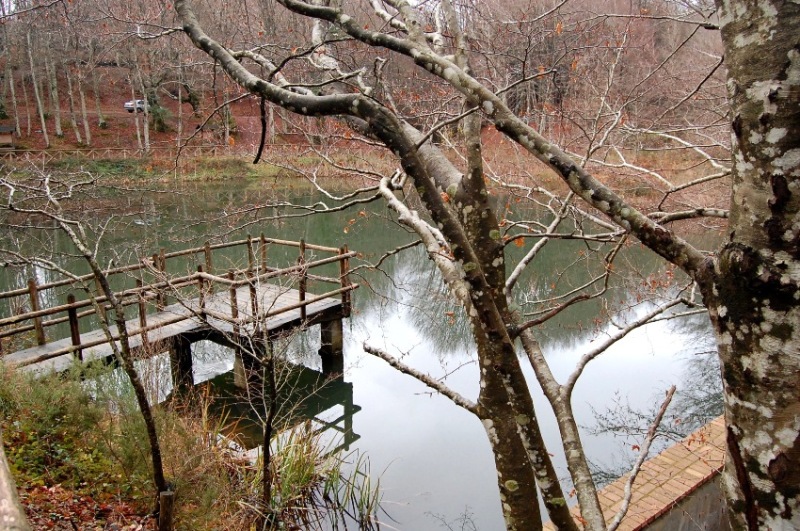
point(666, 479)
point(270, 298)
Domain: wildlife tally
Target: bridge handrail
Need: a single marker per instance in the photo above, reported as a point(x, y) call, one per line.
point(144, 264)
point(143, 293)
point(272, 313)
point(173, 284)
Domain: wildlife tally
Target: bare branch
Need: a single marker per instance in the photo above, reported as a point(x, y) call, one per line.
point(602, 346)
point(645, 449)
point(18, 12)
point(434, 384)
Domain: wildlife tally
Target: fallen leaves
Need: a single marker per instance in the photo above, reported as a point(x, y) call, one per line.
point(57, 508)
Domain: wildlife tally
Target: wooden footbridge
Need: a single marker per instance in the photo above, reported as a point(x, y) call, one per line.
point(168, 308)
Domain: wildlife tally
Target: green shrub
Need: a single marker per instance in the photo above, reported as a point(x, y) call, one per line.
point(49, 428)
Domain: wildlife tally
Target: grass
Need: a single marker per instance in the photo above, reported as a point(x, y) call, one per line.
point(61, 432)
point(105, 167)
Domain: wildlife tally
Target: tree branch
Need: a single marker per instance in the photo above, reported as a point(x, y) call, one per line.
point(436, 385)
point(645, 449)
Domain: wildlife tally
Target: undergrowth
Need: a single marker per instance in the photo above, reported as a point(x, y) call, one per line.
point(86, 436)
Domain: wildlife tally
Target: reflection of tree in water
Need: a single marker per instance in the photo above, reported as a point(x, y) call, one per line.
point(697, 401)
point(701, 398)
point(409, 287)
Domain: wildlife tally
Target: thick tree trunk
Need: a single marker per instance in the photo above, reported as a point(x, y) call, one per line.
point(754, 305)
point(146, 120)
point(101, 119)
point(12, 514)
point(135, 114)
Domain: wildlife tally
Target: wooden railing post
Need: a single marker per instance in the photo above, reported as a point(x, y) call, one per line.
point(209, 261)
point(301, 260)
point(263, 251)
point(143, 315)
point(201, 287)
point(157, 267)
point(251, 258)
point(162, 266)
point(253, 296)
point(344, 267)
point(74, 329)
point(234, 304)
point(37, 321)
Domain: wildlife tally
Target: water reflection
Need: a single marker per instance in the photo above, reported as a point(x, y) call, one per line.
point(432, 457)
point(304, 395)
point(413, 321)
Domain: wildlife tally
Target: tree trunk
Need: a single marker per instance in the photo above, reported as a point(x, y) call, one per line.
point(755, 304)
point(101, 119)
point(87, 130)
point(28, 120)
point(39, 104)
point(146, 120)
point(125, 357)
point(52, 81)
point(271, 135)
point(179, 132)
point(71, 100)
point(11, 512)
point(14, 106)
point(135, 114)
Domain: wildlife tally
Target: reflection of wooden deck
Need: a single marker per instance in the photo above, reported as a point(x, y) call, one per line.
point(666, 479)
point(306, 394)
point(185, 318)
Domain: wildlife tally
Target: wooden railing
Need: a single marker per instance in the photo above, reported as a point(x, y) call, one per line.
point(115, 153)
point(200, 284)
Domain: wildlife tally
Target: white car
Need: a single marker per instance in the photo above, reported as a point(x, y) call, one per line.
point(134, 105)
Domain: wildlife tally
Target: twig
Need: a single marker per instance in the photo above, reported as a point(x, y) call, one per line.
point(651, 435)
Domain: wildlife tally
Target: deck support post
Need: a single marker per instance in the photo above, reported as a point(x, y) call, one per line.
point(180, 357)
point(248, 362)
point(241, 367)
point(331, 351)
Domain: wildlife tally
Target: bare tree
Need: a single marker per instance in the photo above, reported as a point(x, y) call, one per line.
point(749, 286)
point(42, 197)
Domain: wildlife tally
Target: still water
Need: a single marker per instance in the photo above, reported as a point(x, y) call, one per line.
point(433, 459)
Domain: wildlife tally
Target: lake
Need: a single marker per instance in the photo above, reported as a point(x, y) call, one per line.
point(433, 459)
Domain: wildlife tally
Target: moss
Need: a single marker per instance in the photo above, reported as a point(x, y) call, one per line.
point(558, 502)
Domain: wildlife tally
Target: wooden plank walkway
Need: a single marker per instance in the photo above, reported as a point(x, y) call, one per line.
point(186, 318)
point(665, 479)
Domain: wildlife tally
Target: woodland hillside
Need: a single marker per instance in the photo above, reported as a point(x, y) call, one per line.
point(578, 75)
